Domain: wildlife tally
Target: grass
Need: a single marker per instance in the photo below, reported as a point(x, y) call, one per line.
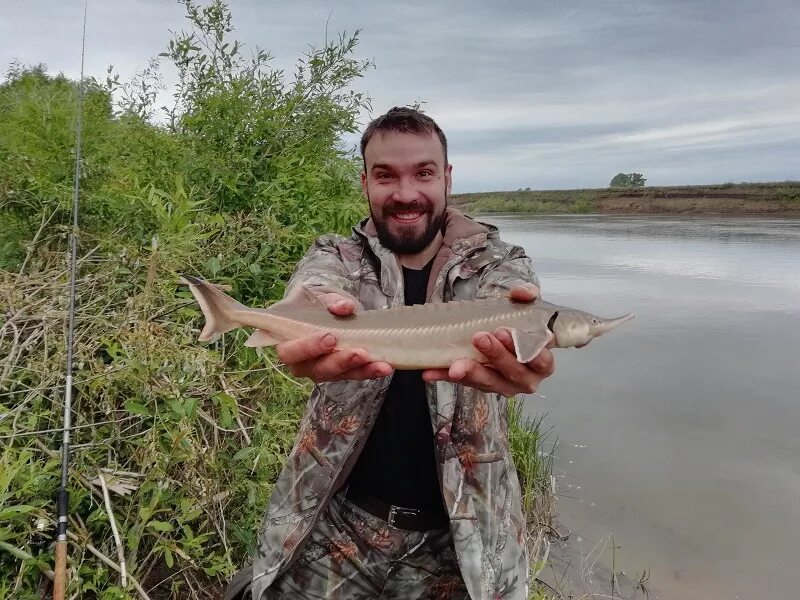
point(535, 471)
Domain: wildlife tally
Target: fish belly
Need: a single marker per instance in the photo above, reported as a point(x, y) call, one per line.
point(414, 350)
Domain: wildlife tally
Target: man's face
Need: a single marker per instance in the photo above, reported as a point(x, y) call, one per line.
point(406, 183)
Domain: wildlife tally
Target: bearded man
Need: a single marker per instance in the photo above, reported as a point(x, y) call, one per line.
point(401, 484)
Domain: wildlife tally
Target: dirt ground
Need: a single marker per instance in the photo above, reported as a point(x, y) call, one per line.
point(700, 204)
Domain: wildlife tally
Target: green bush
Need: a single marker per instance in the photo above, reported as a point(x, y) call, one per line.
point(245, 173)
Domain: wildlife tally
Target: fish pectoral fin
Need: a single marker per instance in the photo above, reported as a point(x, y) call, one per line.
point(528, 344)
point(261, 338)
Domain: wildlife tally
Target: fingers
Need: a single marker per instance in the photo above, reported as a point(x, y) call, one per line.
point(543, 363)
point(502, 373)
point(473, 374)
point(372, 370)
point(338, 304)
point(305, 348)
point(524, 293)
point(504, 360)
point(314, 357)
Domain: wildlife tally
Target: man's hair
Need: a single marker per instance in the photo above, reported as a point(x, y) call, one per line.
point(403, 119)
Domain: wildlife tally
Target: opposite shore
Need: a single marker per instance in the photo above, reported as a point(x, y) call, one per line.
point(780, 199)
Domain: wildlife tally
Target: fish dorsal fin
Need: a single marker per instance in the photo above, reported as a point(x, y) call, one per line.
point(299, 297)
point(528, 344)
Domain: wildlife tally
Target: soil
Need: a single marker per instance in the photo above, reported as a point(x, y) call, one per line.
point(699, 204)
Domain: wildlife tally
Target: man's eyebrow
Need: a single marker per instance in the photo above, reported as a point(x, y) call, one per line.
point(419, 165)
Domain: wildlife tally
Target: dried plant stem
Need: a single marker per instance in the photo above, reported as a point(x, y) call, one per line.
point(106, 560)
point(120, 553)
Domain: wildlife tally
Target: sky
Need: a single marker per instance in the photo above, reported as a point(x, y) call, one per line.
point(547, 95)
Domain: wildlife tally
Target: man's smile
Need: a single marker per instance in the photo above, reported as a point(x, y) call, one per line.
point(408, 216)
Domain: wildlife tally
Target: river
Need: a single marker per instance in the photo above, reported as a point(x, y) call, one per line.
point(678, 433)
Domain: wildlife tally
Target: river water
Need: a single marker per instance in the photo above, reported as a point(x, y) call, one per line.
point(679, 433)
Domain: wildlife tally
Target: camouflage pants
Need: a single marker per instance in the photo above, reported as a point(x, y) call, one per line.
point(352, 555)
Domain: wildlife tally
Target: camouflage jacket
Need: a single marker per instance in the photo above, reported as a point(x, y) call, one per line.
point(479, 481)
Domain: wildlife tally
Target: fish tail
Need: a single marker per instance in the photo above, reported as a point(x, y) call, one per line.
point(217, 307)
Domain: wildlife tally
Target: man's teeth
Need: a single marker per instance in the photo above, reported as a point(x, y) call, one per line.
point(409, 216)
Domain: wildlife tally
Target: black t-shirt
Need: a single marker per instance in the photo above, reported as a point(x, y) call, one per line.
point(398, 464)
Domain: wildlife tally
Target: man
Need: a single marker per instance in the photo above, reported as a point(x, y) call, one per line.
point(401, 485)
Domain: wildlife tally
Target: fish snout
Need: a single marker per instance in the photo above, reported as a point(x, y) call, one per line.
point(604, 325)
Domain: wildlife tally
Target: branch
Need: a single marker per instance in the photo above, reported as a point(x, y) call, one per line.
point(113, 521)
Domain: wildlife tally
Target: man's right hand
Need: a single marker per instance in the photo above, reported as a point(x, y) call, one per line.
point(316, 356)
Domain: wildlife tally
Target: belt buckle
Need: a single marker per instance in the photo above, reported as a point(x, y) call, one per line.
point(395, 511)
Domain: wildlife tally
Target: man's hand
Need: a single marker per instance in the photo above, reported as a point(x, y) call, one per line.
point(502, 373)
point(315, 356)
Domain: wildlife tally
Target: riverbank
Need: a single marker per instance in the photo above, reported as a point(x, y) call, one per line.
point(780, 199)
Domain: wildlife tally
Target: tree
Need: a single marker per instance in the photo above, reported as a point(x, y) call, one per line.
point(626, 180)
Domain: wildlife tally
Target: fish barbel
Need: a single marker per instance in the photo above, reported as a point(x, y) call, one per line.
point(424, 336)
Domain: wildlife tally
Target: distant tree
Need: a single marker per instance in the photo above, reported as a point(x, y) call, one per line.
point(626, 180)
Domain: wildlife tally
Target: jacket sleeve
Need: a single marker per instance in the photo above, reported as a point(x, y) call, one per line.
point(512, 270)
point(322, 270)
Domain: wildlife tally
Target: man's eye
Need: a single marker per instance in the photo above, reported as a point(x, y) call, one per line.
point(384, 176)
point(425, 173)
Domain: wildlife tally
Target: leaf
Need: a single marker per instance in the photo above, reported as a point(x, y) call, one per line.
point(190, 408)
point(213, 266)
point(168, 558)
point(162, 526)
point(137, 409)
point(228, 408)
point(14, 551)
point(19, 509)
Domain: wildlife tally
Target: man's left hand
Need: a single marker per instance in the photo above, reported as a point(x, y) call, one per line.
point(502, 373)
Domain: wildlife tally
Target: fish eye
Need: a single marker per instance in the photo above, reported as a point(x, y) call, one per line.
point(595, 321)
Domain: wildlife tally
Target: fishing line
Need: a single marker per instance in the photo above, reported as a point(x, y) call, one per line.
point(60, 571)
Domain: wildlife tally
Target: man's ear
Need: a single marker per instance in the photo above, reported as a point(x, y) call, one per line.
point(448, 177)
point(364, 184)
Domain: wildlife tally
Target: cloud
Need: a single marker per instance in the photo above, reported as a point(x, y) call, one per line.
point(530, 93)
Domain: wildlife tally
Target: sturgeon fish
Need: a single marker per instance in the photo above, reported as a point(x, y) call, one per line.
point(424, 336)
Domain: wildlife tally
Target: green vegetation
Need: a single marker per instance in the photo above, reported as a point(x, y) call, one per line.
point(187, 439)
point(627, 180)
point(776, 199)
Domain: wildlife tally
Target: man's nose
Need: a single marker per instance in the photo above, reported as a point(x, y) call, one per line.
point(406, 191)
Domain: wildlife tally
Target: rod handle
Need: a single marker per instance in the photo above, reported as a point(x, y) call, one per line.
point(60, 579)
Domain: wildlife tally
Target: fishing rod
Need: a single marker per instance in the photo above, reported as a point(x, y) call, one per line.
point(60, 579)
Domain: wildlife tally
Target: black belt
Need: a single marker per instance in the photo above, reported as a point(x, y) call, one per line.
point(399, 517)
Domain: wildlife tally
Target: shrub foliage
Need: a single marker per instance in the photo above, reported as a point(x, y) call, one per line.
point(244, 171)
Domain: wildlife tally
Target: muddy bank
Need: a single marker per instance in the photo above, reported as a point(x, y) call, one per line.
point(699, 205)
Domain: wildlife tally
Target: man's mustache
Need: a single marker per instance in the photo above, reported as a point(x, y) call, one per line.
point(397, 208)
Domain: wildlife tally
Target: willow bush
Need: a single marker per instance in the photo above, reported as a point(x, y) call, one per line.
point(179, 441)
point(232, 184)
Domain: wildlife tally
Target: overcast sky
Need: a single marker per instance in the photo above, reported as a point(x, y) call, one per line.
point(555, 94)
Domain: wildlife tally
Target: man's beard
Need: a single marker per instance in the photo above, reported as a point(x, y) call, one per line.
point(407, 241)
